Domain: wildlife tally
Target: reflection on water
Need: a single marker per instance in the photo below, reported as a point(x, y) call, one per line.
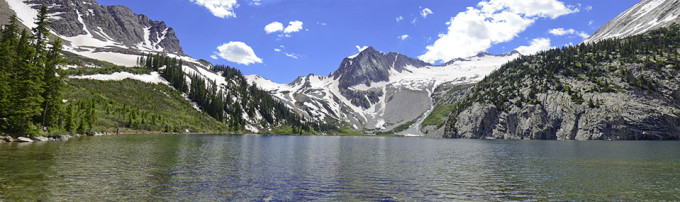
point(212, 167)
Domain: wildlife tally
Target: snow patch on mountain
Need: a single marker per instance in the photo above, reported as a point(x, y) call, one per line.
point(25, 13)
point(154, 77)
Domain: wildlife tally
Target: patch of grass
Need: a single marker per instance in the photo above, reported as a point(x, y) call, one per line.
point(348, 132)
point(285, 130)
point(438, 115)
point(404, 126)
point(135, 106)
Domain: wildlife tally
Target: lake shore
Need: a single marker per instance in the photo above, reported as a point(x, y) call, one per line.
point(63, 138)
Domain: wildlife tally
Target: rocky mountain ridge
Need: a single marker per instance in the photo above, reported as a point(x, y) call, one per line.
point(370, 66)
point(379, 92)
point(644, 16)
point(110, 33)
point(615, 89)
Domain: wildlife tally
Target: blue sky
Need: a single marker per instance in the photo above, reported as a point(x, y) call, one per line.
point(315, 35)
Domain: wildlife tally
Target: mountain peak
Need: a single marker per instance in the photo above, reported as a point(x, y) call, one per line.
point(368, 50)
point(370, 65)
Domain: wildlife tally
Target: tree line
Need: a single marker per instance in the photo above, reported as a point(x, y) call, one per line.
point(30, 85)
point(233, 101)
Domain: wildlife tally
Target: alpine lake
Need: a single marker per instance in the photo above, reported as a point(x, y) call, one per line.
point(285, 168)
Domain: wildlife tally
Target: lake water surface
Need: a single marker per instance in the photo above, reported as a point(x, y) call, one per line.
point(250, 167)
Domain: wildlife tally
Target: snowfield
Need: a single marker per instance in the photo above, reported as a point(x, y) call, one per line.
point(154, 77)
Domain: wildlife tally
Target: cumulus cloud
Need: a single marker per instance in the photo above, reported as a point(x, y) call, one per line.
point(403, 37)
point(425, 12)
point(238, 52)
point(273, 27)
point(537, 45)
point(400, 18)
point(277, 50)
point(562, 32)
point(293, 26)
point(490, 22)
point(219, 8)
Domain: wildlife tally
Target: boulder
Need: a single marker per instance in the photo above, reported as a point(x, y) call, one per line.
point(23, 139)
point(40, 139)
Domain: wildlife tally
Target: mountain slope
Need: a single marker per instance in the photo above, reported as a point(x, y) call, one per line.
point(378, 92)
point(643, 16)
point(110, 33)
point(615, 89)
point(113, 44)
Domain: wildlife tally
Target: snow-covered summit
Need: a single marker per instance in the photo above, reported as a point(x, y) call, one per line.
point(642, 17)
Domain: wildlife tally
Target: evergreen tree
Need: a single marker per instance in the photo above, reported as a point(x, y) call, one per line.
point(27, 86)
point(53, 86)
point(8, 41)
point(41, 32)
point(70, 122)
point(81, 127)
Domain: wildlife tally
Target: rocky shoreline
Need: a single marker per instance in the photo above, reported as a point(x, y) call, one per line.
point(55, 138)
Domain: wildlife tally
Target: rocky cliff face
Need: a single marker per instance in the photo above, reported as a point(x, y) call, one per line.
point(84, 25)
point(624, 89)
point(643, 16)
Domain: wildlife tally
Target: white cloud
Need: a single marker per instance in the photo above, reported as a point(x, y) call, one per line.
point(400, 18)
point(273, 27)
point(425, 12)
point(219, 8)
point(403, 37)
point(490, 22)
point(277, 50)
point(291, 55)
point(238, 52)
point(293, 26)
point(562, 32)
point(361, 48)
point(537, 45)
point(214, 57)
